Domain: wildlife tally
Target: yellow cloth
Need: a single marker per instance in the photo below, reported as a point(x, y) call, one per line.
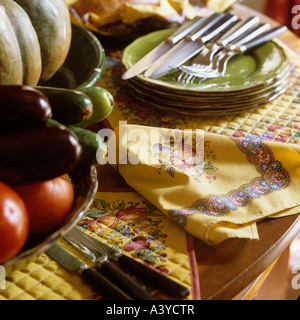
point(128, 14)
point(70, 2)
point(219, 5)
point(217, 192)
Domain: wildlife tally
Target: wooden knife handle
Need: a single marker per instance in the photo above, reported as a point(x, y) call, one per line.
point(104, 286)
point(124, 281)
point(153, 278)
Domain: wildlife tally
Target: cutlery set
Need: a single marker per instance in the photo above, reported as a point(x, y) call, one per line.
point(221, 65)
point(114, 274)
point(211, 42)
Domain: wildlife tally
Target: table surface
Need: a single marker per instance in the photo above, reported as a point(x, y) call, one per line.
point(228, 268)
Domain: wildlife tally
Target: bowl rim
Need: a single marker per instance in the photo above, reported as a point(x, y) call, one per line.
point(99, 68)
point(71, 223)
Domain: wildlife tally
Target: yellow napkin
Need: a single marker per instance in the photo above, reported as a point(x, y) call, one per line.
point(128, 14)
point(218, 187)
point(219, 5)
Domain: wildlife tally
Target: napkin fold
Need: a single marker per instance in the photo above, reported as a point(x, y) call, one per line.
point(130, 13)
point(171, 10)
point(216, 187)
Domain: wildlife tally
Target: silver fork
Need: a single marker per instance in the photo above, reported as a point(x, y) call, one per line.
point(205, 58)
point(110, 271)
point(240, 47)
point(195, 71)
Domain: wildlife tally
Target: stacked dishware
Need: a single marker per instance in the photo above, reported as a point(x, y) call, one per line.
point(210, 66)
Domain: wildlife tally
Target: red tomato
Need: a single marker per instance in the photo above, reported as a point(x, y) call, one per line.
point(48, 203)
point(13, 223)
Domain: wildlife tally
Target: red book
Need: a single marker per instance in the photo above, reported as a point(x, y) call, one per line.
point(280, 10)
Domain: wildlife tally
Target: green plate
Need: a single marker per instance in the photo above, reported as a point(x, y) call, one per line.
point(209, 110)
point(263, 97)
point(247, 72)
point(186, 99)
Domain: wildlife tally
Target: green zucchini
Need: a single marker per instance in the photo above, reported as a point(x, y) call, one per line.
point(93, 146)
point(103, 104)
point(68, 106)
point(22, 107)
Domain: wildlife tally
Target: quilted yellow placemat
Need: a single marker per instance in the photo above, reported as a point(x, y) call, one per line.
point(127, 222)
point(278, 120)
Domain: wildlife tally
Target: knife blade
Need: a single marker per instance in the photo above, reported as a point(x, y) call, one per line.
point(139, 270)
point(107, 268)
point(71, 263)
point(162, 48)
point(187, 48)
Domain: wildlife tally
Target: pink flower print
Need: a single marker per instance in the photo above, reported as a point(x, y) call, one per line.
point(132, 215)
point(214, 208)
point(278, 176)
point(237, 200)
point(179, 163)
point(138, 243)
point(264, 156)
point(260, 189)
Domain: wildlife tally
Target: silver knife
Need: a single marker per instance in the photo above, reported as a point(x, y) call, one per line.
point(109, 270)
point(162, 48)
point(139, 270)
point(71, 263)
point(193, 28)
point(187, 48)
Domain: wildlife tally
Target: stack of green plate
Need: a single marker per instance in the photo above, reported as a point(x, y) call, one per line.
point(251, 79)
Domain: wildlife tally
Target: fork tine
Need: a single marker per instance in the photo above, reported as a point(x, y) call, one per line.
point(179, 78)
point(205, 58)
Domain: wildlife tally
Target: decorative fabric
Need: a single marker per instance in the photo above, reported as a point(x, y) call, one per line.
point(216, 192)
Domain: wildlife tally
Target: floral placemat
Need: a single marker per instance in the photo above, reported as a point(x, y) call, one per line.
point(127, 222)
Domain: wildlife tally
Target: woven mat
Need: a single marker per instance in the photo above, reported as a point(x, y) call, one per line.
point(44, 279)
point(278, 120)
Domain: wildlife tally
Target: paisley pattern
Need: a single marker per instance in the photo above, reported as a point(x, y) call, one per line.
point(273, 177)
